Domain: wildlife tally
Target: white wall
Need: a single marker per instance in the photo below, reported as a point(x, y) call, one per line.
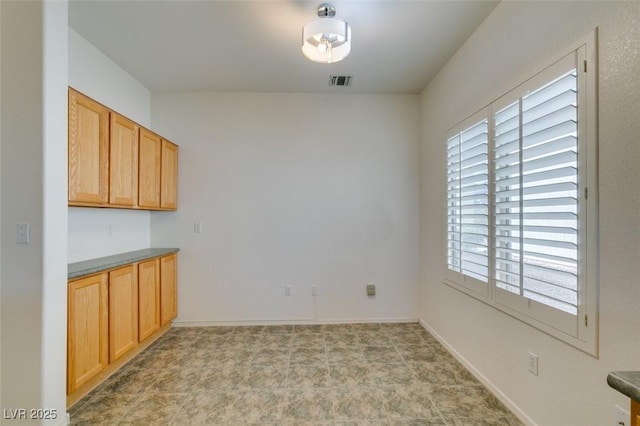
point(33, 182)
point(513, 42)
point(102, 232)
point(293, 189)
point(97, 76)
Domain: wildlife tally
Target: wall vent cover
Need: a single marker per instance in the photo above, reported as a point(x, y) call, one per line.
point(340, 80)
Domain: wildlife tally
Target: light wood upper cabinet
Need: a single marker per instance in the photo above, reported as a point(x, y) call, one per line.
point(123, 164)
point(168, 288)
point(148, 298)
point(114, 162)
point(87, 341)
point(149, 169)
point(169, 176)
point(88, 150)
point(123, 311)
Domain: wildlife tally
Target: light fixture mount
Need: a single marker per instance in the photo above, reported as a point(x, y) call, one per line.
point(326, 40)
point(326, 10)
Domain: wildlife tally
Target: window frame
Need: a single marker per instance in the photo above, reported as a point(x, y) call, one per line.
point(581, 331)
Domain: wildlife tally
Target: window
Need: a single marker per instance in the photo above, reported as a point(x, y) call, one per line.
point(521, 201)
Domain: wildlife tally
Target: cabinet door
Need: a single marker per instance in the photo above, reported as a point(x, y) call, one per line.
point(168, 289)
point(88, 150)
point(635, 413)
point(169, 176)
point(149, 166)
point(87, 329)
point(148, 298)
point(123, 312)
point(123, 161)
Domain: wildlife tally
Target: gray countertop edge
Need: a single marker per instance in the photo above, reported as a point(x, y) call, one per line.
point(93, 266)
point(626, 382)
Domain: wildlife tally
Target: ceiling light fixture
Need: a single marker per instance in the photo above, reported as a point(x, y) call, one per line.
point(326, 40)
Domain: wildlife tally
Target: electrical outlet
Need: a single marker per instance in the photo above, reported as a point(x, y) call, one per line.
point(533, 363)
point(315, 290)
point(288, 290)
point(109, 230)
point(621, 416)
point(197, 227)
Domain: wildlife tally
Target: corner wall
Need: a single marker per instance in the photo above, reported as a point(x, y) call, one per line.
point(293, 189)
point(515, 41)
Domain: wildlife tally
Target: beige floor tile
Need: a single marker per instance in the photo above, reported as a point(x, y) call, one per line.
point(309, 356)
point(346, 339)
point(249, 329)
point(104, 409)
point(258, 407)
point(307, 328)
point(276, 340)
point(346, 354)
point(154, 409)
point(307, 376)
point(382, 354)
point(219, 330)
point(349, 375)
point(308, 340)
point(207, 408)
point(278, 356)
point(359, 403)
point(308, 405)
point(391, 374)
point(373, 339)
point(337, 374)
point(413, 353)
point(338, 328)
point(227, 377)
point(265, 377)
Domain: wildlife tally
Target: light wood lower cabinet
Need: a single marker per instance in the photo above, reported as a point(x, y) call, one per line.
point(123, 311)
point(148, 298)
point(168, 288)
point(635, 413)
point(114, 315)
point(87, 329)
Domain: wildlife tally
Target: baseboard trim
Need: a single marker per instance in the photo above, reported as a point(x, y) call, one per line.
point(293, 322)
point(521, 415)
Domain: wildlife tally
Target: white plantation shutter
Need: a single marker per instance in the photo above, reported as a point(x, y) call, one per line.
point(521, 231)
point(550, 201)
point(535, 196)
point(468, 203)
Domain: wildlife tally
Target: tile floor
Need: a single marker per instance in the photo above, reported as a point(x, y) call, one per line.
point(352, 374)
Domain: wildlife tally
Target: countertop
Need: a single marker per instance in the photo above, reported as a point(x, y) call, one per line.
point(626, 382)
point(93, 266)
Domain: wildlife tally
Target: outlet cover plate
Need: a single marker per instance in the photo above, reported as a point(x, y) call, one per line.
point(533, 363)
point(622, 416)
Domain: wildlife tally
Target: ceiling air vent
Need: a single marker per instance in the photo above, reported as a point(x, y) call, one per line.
point(340, 80)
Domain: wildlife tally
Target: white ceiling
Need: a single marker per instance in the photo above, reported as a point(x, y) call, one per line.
point(254, 46)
